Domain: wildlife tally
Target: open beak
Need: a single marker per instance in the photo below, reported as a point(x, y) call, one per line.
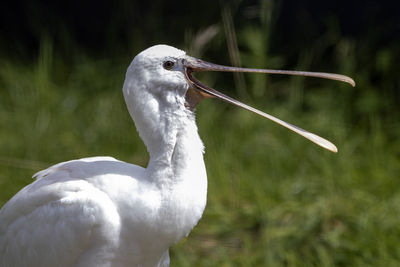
point(202, 91)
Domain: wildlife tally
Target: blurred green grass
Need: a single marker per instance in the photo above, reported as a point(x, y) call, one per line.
point(274, 199)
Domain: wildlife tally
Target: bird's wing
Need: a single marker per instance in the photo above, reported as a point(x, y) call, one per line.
point(64, 213)
point(70, 165)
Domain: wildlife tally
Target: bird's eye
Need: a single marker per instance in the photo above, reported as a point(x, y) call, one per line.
point(168, 65)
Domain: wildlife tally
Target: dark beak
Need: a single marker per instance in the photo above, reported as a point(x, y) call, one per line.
point(193, 64)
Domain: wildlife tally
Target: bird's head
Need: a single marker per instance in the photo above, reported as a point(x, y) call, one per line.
point(158, 72)
point(162, 76)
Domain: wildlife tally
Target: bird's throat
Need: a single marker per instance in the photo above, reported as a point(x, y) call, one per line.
point(179, 156)
point(193, 97)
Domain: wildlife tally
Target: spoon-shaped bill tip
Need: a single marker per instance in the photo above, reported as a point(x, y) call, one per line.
point(322, 142)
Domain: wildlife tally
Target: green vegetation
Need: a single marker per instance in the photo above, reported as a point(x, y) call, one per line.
point(274, 198)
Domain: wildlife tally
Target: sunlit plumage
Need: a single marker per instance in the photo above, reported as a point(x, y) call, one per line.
point(104, 212)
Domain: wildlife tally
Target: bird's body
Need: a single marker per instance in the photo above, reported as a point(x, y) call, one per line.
point(97, 212)
point(104, 212)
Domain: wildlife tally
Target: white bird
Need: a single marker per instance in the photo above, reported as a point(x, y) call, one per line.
point(100, 211)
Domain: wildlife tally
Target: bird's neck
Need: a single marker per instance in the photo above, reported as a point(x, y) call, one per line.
point(176, 151)
point(176, 168)
point(169, 132)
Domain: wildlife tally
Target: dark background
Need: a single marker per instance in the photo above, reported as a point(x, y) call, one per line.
point(123, 28)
